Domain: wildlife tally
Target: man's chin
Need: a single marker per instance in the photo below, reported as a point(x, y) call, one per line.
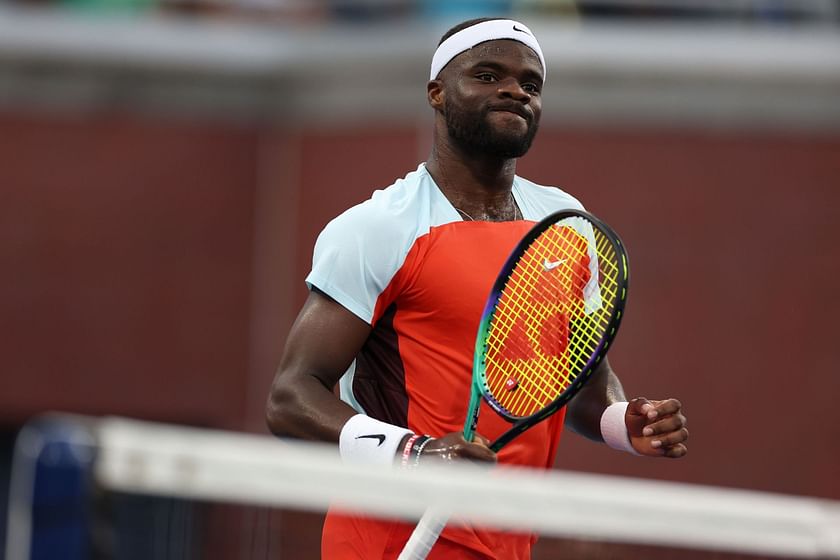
point(511, 141)
point(494, 141)
point(509, 147)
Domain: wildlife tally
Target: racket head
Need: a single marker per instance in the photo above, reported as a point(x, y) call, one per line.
point(551, 315)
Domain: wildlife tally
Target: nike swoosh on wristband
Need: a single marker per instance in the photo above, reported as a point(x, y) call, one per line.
point(380, 437)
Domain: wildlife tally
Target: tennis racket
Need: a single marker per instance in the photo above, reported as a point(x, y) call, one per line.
point(549, 320)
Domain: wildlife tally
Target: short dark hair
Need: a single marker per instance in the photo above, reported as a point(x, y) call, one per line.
point(463, 25)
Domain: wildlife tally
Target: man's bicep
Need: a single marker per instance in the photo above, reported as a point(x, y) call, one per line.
point(321, 344)
point(323, 340)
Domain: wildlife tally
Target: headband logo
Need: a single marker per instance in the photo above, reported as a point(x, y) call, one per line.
point(520, 30)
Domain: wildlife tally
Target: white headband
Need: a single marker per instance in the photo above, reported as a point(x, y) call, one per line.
point(485, 31)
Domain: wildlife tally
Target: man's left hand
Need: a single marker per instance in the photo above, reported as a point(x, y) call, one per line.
point(657, 428)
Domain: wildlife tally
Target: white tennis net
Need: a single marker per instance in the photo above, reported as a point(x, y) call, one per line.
point(140, 458)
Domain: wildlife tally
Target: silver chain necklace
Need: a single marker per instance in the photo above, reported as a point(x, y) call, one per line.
point(517, 215)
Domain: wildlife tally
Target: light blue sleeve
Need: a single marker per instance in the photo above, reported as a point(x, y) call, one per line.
point(356, 256)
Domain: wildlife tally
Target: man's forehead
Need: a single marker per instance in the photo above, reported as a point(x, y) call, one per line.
point(503, 47)
point(500, 50)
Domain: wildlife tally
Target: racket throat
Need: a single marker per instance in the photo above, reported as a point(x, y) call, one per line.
point(471, 423)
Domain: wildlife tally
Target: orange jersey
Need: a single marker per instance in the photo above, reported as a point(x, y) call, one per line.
point(406, 263)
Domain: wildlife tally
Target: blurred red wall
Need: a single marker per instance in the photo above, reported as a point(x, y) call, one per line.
point(151, 267)
point(126, 252)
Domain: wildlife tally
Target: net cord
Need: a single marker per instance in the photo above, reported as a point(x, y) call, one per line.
point(146, 458)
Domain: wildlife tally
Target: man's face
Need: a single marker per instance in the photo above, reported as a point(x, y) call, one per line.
point(493, 102)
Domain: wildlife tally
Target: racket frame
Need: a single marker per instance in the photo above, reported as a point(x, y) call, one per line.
point(478, 390)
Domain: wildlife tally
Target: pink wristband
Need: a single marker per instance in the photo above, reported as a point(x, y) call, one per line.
point(614, 428)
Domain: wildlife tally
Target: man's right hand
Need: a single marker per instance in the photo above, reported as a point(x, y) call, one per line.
point(453, 447)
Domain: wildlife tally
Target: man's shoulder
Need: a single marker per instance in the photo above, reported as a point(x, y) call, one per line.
point(388, 209)
point(548, 196)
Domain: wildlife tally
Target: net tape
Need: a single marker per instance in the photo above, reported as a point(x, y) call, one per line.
point(147, 458)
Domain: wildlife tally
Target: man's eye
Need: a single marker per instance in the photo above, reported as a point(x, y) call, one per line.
point(531, 88)
point(485, 77)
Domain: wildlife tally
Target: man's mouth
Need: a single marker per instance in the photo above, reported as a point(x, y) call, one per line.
point(515, 110)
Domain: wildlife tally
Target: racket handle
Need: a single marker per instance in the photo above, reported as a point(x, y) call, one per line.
point(424, 537)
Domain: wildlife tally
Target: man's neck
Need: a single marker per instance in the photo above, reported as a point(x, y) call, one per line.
point(475, 175)
point(476, 184)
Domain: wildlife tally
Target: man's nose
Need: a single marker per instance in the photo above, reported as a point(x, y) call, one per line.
point(510, 87)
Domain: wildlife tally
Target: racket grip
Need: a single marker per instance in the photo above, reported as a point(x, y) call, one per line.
point(424, 537)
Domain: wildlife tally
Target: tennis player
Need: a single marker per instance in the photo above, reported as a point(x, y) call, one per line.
point(397, 288)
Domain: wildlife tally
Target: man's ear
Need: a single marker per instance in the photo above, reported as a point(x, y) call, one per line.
point(435, 94)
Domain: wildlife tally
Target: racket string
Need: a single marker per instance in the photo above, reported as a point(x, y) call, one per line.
point(543, 332)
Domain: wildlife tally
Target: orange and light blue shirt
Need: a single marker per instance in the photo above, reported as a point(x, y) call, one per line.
point(406, 263)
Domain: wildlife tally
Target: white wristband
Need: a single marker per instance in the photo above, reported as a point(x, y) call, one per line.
point(614, 428)
point(367, 441)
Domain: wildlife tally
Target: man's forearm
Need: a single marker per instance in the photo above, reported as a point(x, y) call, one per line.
point(583, 414)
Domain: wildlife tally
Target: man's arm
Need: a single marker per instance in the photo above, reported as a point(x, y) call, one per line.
point(655, 428)
point(321, 345)
point(583, 413)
